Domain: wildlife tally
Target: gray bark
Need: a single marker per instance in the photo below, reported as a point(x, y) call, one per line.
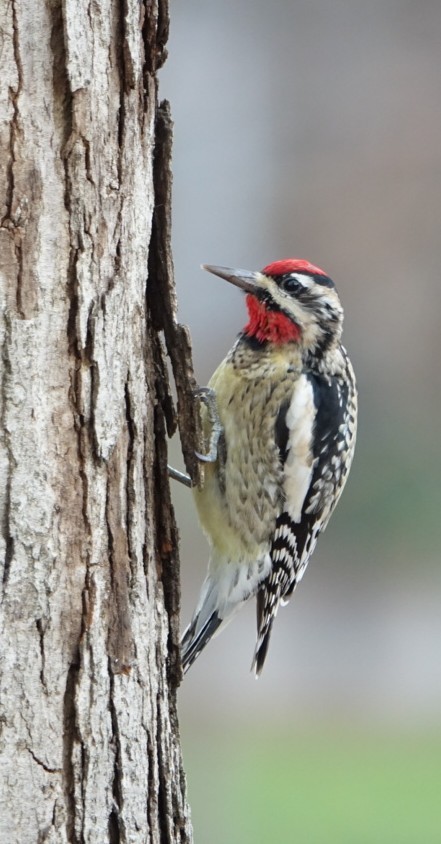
point(89, 601)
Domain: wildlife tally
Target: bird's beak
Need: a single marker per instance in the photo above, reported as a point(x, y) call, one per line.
point(250, 282)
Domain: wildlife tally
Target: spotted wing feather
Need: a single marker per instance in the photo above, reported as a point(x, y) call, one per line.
point(320, 438)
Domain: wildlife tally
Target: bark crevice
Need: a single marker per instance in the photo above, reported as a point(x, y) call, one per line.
point(89, 614)
point(70, 737)
point(42, 764)
point(116, 830)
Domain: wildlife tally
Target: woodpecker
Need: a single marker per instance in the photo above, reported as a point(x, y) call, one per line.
point(284, 416)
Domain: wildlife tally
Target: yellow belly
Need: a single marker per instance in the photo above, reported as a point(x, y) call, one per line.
point(242, 495)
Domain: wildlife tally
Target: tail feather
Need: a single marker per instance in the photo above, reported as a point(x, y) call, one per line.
point(194, 642)
point(227, 587)
point(261, 650)
point(267, 604)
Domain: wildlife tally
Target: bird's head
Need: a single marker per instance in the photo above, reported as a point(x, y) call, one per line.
point(289, 301)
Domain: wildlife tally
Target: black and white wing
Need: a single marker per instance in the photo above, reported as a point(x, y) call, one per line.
point(316, 437)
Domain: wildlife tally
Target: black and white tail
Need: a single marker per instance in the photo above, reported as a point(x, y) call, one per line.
point(195, 638)
point(226, 588)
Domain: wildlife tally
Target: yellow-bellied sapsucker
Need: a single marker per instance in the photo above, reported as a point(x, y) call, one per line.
point(286, 403)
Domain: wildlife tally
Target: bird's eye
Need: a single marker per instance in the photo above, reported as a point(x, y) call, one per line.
point(291, 284)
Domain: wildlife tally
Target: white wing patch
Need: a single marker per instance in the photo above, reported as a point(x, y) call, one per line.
point(299, 463)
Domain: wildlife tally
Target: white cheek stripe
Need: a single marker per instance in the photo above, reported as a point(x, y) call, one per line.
point(299, 464)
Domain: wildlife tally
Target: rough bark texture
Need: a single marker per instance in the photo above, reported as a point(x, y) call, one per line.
point(89, 746)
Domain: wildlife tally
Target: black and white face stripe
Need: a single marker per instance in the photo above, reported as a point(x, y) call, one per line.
point(311, 301)
point(295, 282)
point(306, 288)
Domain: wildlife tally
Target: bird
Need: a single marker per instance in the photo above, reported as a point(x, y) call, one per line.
point(281, 415)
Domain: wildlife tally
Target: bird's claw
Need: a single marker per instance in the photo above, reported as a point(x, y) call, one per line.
point(207, 458)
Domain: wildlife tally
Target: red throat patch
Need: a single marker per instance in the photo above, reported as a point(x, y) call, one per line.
point(271, 326)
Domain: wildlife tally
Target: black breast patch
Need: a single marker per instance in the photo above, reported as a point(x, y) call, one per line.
point(281, 431)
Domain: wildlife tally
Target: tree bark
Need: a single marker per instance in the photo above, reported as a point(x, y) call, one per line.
point(89, 744)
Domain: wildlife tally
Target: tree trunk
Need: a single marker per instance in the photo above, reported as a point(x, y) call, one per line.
point(89, 745)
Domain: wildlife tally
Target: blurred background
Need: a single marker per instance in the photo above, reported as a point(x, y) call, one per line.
point(312, 128)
